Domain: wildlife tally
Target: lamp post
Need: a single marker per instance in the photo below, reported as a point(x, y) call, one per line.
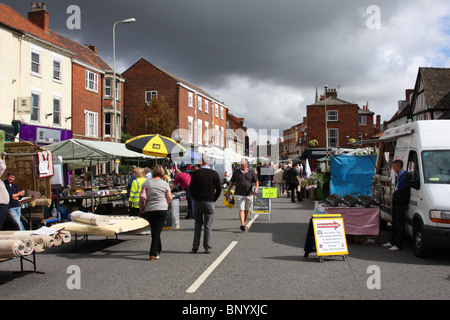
point(113, 93)
point(326, 128)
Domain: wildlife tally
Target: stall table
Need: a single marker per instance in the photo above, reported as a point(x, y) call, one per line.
point(358, 220)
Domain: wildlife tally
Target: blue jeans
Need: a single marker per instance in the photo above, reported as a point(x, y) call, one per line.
point(14, 214)
point(203, 216)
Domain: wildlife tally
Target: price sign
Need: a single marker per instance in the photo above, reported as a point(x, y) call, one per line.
point(269, 193)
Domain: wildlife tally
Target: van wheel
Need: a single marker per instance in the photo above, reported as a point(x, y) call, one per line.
point(419, 245)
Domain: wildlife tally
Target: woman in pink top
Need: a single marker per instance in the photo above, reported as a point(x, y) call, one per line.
point(184, 180)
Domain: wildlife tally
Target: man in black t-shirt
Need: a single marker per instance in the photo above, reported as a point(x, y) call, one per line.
point(293, 179)
point(243, 178)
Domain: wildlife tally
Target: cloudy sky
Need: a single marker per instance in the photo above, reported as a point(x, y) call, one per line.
point(264, 58)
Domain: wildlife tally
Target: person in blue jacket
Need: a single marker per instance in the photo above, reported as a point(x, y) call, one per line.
point(400, 200)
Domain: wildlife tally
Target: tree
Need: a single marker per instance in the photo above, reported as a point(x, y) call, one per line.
point(158, 117)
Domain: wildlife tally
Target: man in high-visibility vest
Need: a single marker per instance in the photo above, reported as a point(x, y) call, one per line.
point(135, 190)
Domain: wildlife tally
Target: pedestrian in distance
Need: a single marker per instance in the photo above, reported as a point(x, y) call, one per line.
point(159, 198)
point(293, 178)
point(278, 180)
point(205, 188)
point(15, 195)
point(286, 169)
point(243, 178)
point(400, 200)
point(184, 180)
point(135, 189)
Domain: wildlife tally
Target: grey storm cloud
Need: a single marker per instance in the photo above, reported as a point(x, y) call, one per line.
point(264, 58)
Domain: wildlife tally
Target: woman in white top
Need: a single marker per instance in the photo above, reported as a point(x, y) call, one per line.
point(159, 198)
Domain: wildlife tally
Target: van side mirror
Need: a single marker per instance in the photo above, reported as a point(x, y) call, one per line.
point(412, 181)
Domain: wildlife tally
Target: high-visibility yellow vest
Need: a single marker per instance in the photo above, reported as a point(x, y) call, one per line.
point(136, 187)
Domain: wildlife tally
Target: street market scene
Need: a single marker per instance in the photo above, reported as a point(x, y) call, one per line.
point(120, 180)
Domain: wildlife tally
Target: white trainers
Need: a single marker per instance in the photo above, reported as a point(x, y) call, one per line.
point(394, 248)
point(387, 244)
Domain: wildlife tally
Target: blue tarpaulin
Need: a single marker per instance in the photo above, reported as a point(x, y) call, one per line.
point(352, 174)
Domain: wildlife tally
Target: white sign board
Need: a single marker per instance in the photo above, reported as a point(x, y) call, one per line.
point(329, 234)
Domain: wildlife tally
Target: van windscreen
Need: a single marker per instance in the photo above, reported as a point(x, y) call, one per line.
point(436, 166)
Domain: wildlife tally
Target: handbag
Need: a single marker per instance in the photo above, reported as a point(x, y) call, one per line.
point(142, 199)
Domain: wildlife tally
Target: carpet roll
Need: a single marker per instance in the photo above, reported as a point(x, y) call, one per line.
point(26, 239)
point(66, 236)
point(12, 248)
point(89, 218)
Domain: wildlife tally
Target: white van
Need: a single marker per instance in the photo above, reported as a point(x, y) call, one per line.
point(424, 148)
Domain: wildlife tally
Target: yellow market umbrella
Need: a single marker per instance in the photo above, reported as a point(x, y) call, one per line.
point(155, 145)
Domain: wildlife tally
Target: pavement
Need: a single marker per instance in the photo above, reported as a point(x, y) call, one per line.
point(265, 263)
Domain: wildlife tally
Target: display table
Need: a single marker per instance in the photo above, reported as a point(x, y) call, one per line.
point(358, 220)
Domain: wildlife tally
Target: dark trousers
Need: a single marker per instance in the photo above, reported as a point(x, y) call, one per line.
point(156, 220)
point(190, 202)
point(398, 224)
point(203, 215)
point(293, 189)
point(4, 211)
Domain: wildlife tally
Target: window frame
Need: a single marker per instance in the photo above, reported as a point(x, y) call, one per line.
point(59, 70)
point(39, 63)
point(333, 137)
point(88, 123)
point(33, 107)
point(329, 114)
point(362, 123)
point(57, 113)
point(150, 94)
point(190, 129)
point(190, 99)
point(89, 81)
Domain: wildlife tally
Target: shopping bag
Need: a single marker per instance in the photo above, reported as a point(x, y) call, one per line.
point(142, 200)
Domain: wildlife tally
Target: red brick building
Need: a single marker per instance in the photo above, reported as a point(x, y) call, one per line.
point(237, 139)
point(200, 118)
point(345, 121)
point(293, 140)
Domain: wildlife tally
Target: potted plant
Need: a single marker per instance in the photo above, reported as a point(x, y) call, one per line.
point(313, 143)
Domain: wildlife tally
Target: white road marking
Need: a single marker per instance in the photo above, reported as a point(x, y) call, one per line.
point(253, 220)
point(210, 269)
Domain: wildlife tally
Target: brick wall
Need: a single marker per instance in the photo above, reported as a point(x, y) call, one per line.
point(143, 76)
point(84, 100)
point(347, 123)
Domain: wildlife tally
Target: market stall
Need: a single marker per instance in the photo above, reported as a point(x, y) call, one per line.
point(358, 220)
point(33, 169)
point(76, 154)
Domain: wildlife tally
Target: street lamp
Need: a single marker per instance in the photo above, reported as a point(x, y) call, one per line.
point(114, 125)
point(326, 127)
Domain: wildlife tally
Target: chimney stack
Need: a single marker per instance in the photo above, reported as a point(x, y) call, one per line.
point(330, 93)
point(92, 47)
point(39, 15)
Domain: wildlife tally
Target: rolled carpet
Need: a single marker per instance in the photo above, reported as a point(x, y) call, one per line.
point(12, 248)
point(89, 218)
point(66, 236)
point(26, 239)
point(41, 242)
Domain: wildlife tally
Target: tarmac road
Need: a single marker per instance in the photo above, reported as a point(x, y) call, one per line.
point(265, 263)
